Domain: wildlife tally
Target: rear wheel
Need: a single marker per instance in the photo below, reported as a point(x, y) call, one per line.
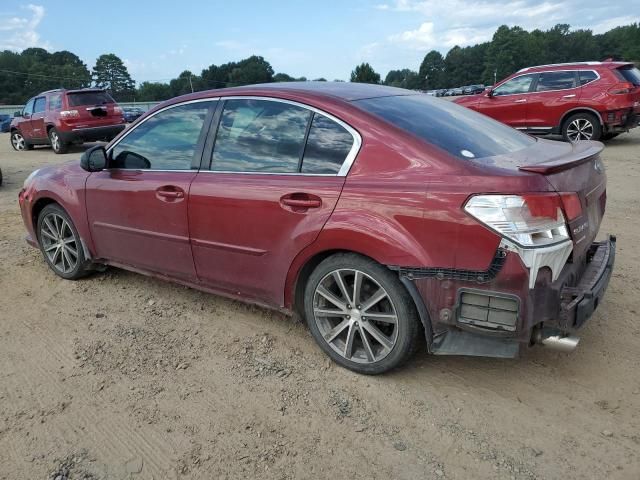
point(18, 142)
point(581, 126)
point(60, 243)
point(360, 314)
point(57, 144)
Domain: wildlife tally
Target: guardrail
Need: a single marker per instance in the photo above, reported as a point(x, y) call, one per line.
point(11, 109)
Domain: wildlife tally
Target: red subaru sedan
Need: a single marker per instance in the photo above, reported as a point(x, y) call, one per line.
point(386, 218)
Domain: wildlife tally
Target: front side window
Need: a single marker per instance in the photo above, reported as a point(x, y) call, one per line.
point(549, 81)
point(166, 141)
point(587, 76)
point(328, 145)
point(28, 108)
point(516, 85)
point(260, 136)
point(38, 106)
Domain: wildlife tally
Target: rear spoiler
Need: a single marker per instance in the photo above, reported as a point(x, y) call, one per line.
point(582, 152)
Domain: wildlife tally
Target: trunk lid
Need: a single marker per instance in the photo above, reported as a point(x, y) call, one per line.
point(95, 108)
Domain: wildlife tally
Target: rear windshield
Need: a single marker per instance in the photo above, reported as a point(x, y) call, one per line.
point(630, 74)
point(89, 98)
point(459, 131)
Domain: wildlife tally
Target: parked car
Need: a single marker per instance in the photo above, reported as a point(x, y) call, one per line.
point(61, 117)
point(131, 114)
point(5, 122)
point(580, 101)
point(452, 92)
point(472, 89)
point(343, 202)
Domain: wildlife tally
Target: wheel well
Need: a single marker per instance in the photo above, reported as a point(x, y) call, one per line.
point(49, 127)
point(580, 110)
point(37, 208)
point(313, 262)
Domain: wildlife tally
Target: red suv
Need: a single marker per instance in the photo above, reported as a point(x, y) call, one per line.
point(580, 101)
point(380, 215)
point(61, 117)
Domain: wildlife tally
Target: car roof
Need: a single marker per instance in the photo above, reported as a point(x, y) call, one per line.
point(345, 91)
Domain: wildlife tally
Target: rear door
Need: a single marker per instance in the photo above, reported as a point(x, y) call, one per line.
point(38, 130)
point(554, 94)
point(509, 101)
point(277, 170)
point(137, 208)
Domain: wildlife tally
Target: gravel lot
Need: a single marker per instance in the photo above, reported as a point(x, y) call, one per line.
point(121, 376)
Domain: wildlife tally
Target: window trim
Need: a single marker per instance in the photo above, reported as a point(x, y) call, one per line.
point(346, 164)
point(200, 147)
point(534, 83)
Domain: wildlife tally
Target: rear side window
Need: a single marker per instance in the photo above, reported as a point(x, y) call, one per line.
point(166, 141)
point(516, 85)
point(587, 76)
point(55, 102)
point(457, 130)
point(38, 106)
point(328, 145)
point(260, 136)
point(548, 81)
point(630, 74)
point(77, 99)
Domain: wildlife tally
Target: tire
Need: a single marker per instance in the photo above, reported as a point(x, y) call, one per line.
point(18, 142)
point(60, 243)
point(608, 136)
point(56, 142)
point(581, 126)
point(368, 339)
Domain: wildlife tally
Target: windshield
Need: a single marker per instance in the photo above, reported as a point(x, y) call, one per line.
point(89, 98)
point(630, 74)
point(457, 130)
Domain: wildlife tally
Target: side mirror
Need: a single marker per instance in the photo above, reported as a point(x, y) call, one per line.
point(94, 159)
point(489, 92)
point(17, 114)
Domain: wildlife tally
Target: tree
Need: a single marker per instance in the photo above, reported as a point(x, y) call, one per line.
point(432, 70)
point(404, 78)
point(153, 92)
point(111, 73)
point(364, 73)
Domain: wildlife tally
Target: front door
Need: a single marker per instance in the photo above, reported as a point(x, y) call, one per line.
point(137, 207)
point(508, 102)
point(274, 181)
point(38, 130)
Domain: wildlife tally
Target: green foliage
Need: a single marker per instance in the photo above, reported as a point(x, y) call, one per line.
point(364, 73)
point(432, 72)
point(111, 73)
point(404, 78)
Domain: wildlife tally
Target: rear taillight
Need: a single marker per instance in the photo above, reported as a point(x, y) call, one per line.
point(530, 221)
point(117, 110)
point(621, 88)
point(69, 114)
point(572, 205)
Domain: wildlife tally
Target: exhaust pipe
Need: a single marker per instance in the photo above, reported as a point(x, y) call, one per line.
point(556, 340)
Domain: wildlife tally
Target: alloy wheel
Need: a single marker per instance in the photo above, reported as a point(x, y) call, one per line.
point(59, 243)
point(18, 142)
point(580, 129)
point(355, 316)
point(55, 140)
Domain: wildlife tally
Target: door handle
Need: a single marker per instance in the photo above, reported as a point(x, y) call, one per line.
point(570, 96)
point(169, 193)
point(522, 100)
point(300, 201)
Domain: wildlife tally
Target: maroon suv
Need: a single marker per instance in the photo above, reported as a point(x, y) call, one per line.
point(61, 117)
point(580, 101)
point(381, 215)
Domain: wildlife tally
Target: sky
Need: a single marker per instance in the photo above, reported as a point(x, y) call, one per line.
point(158, 39)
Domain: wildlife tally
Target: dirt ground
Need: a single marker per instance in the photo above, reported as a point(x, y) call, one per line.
point(122, 376)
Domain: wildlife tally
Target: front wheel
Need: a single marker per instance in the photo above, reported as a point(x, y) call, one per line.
point(360, 314)
point(57, 144)
point(18, 142)
point(60, 243)
point(581, 126)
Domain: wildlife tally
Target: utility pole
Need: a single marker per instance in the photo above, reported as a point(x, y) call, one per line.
point(495, 75)
point(190, 83)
